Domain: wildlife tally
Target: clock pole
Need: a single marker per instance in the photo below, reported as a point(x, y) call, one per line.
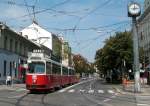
point(137, 87)
point(134, 11)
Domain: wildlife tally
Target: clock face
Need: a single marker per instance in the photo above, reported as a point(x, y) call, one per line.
point(134, 9)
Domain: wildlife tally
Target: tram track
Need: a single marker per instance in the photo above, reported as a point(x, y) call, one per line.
point(34, 99)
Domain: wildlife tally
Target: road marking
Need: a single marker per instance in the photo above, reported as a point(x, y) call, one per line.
point(113, 96)
point(18, 96)
point(81, 90)
point(100, 91)
point(106, 100)
point(91, 91)
point(111, 91)
point(62, 90)
point(71, 91)
point(21, 89)
point(142, 104)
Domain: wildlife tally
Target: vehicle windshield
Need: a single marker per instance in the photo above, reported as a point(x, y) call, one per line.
point(36, 67)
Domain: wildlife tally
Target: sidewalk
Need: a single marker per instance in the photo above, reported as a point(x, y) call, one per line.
point(142, 98)
point(13, 87)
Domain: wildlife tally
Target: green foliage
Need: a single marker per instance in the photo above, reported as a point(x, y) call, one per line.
point(82, 65)
point(117, 49)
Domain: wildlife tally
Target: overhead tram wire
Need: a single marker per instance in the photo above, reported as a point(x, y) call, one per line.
point(14, 3)
point(41, 11)
point(92, 11)
point(98, 28)
point(96, 38)
point(112, 30)
point(61, 12)
point(28, 10)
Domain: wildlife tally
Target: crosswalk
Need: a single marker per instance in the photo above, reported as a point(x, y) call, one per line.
point(89, 91)
point(143, 100)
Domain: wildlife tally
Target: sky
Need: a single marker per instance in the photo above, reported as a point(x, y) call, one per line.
point(85, 24)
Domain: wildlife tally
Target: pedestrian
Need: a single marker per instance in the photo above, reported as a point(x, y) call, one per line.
point(8, 80)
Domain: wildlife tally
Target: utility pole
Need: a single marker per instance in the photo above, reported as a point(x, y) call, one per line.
point(134, 11)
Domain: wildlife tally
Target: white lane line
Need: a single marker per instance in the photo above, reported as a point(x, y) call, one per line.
point(71, 91)
point(106, 100)
point(81, 90)
point(142, 105)
point(21, 89)
point(91, 91)
point(62, 90)
point(18, 96)
point(100, 91)
point(111, 91)
point(113, 96)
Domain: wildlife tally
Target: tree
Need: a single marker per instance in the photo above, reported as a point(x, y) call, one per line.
point(117, 50)
point(82, 65)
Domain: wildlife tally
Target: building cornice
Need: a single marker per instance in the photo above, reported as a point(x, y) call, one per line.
point(144, 14)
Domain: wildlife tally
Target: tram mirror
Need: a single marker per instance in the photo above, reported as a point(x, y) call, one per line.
point(25, 66)
point(29, 61)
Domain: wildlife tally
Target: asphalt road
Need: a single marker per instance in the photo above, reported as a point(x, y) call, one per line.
point(88, 93)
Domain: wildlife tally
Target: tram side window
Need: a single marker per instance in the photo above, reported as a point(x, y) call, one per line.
point(71, 72)
point(48, 68)
point(65, 71)
point(56, 69)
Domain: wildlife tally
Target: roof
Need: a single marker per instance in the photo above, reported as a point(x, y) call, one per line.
point(5, 27)
point(39, 35)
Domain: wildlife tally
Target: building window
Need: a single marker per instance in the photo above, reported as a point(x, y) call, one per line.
point(16, 46)
point(20, 48)
point(5, 43)
point(24, 50)
point(5, 63)
point(141, 36)
point(11, 45)
point(10, 70)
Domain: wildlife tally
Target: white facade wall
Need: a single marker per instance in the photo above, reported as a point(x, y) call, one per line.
point(35, 32)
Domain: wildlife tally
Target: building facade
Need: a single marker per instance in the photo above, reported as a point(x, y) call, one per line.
point(67, 56)
point(14, 50)
point(144, 30)
point(41, 36)
point(146, 4)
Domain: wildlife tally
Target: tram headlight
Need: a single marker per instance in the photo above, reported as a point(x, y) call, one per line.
point(34, 78)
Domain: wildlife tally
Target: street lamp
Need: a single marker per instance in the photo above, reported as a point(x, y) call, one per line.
point(134, 10)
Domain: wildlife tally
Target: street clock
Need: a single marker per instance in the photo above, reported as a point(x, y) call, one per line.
point(134, 10)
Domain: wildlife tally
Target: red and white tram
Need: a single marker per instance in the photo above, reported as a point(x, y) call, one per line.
point(45, 74)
